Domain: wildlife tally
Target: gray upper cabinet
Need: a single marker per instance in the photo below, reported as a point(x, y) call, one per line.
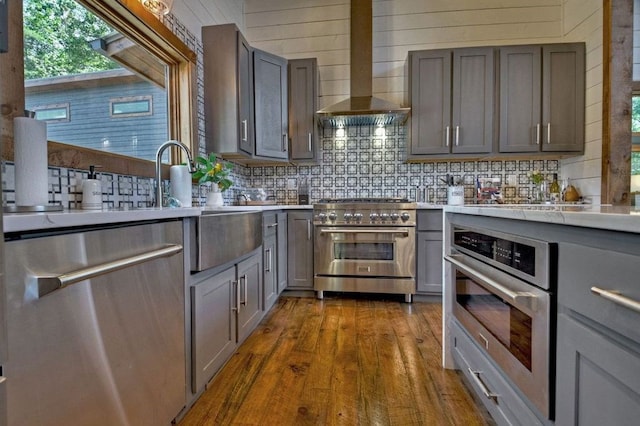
point(271, 105)
point(303, 86)
point(228, 91)
point(542, 98)
point(451, 93)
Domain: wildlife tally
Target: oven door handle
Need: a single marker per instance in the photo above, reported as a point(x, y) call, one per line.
point(364, 231)
point(521, 298)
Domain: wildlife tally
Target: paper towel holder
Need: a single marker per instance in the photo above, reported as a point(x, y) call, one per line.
point(12, 208)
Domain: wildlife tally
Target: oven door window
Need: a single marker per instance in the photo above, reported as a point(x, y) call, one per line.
point(362, 251)
point(511, 326)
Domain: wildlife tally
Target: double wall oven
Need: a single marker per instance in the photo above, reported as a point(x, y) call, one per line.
point(365, 245)
point(503, 297)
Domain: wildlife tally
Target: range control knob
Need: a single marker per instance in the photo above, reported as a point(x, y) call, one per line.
point(347, 217)
point(384, 217)
point(322, 217)
point(333, 216)
point(373, 217)
point(357, 217)
point(405, 216)
point(394, 217)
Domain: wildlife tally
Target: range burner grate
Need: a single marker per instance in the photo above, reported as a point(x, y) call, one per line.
point(363, 200)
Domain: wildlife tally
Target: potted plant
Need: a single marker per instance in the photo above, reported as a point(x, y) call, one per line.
point(211, 169)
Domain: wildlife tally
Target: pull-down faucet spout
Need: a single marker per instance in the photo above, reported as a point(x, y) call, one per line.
point(163, 147)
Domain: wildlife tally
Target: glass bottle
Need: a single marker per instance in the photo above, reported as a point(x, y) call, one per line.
point(554, 189)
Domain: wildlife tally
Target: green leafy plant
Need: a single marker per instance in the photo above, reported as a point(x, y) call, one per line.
point(210, 169)
point(536, 177)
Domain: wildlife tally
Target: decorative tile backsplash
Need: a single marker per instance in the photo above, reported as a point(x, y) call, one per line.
point(355, 162)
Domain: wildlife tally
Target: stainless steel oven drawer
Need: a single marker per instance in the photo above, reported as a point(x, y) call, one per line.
point(603, 285)
point(494, 390)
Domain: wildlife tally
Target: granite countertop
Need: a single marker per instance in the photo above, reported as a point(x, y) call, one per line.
point(22, 222)
point(614, 218)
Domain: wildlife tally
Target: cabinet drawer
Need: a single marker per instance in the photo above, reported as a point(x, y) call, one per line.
point(269, 224)
point(505, 405)
point(582, 269)
point(429, 220)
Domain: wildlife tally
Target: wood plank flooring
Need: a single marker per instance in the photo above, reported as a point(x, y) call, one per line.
point(340, 361)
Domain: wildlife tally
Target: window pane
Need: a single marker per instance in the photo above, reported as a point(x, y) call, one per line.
point(52, 112)
point(73, 57)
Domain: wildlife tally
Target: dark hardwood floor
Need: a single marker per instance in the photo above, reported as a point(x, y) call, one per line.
point(340, 361)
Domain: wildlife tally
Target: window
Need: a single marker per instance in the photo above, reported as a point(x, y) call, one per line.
point(131, 107)
point(52, 113)
point(128, 52)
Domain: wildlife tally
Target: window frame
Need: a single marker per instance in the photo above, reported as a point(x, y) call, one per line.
point(47, 107)
point(141, 26)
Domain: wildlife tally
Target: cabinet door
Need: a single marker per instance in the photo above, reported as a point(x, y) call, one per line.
point(245, 95)
point(597, 380)
point(213, 327)
point(520, 91)
point(429, 262)
point(249, 273)
point(472, 101)
point(282, 249)
point(302, 108)
point(430, 99)
point(563, 94)
point(300, 244)
point(270, 265)
point(270, 89)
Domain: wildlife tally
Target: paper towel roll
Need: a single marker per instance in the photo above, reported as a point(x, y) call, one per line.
point(180, 180)
point(31, 166)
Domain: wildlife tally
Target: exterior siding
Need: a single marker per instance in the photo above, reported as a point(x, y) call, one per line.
point(137, 136)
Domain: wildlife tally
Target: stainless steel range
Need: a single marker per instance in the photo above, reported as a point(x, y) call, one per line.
point(365, 245)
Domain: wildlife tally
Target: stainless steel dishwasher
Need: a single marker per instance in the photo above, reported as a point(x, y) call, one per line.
point(95, 321)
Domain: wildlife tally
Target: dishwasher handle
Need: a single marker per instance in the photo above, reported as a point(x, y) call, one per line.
point(49, 284)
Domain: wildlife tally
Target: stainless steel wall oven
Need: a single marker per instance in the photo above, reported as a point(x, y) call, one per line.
point(503, 296)
point(365, 245)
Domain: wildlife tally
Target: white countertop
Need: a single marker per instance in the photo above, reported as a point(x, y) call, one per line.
point(21, 222)
point(614, 218)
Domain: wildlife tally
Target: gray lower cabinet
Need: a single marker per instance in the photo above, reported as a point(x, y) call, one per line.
point(429, 252)
point(225, 308)
point(598, 350)
point(451, 93)
point(282, 250)
point(303, 131)
point(271, 105)
point(270, 258)
point(213, 325)
point(542, 98)
point(300, 248)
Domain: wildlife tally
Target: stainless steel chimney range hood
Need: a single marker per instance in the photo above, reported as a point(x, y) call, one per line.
point(362, 108)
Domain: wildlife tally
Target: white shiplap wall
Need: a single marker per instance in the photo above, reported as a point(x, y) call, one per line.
point(583, 21)
point(194, 14)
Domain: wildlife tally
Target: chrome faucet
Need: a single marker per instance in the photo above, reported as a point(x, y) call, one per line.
point(159, 153)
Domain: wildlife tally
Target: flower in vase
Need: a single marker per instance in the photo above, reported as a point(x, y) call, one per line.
point(536, 177)
point(210, 169)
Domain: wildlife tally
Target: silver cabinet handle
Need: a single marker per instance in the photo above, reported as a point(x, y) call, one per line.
point(617, 298)
point(548, 132)
point(272, 225)
point(308, 230)
point(447, 136)
point(483, 388)
point(457, 135)
point(285, 140)
point(48, 284)
point(538, 134)
point(310, 142)
point(267, 267)
point(244, 281)
point(236, 308)
point(245, 132)
point(516, 297)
